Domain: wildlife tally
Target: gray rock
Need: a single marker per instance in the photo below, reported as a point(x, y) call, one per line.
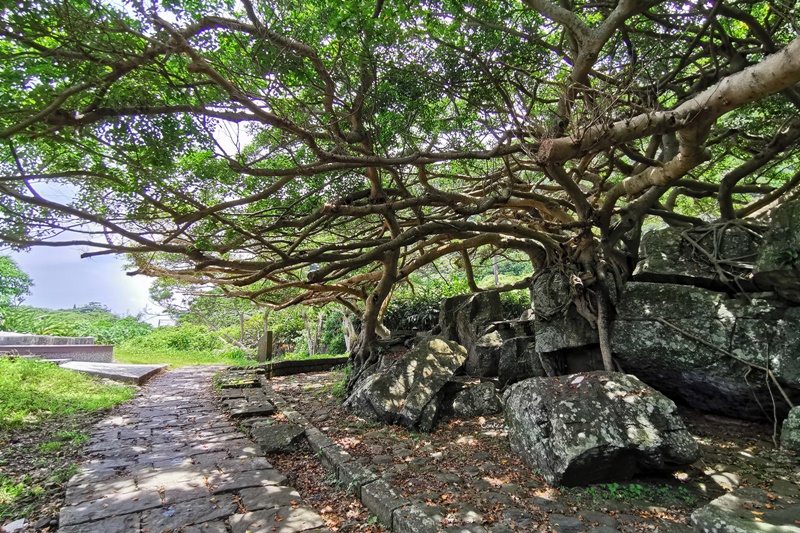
point(778, 264)
point(565, 524)
point(464, 319)
point(594, 428)
point(558, 323)
point(278, 438)
point(761, 331)
point(790, 434)
point(744, 511)
point(484, 360)
point(519, 360)
point(668, 256)
point(406, 393)
point(478, 400)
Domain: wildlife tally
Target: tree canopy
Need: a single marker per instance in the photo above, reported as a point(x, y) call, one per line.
point(307, 152)
point(15, 284)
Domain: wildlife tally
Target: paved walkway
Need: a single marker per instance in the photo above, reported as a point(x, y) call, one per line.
point(170, 461)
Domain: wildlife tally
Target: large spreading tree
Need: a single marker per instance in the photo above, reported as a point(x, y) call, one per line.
point(308, 152)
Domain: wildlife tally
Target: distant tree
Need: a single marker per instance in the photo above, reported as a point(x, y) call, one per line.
point(15, 284)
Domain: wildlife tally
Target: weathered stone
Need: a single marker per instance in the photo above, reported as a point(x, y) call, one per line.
point(278, 438)
point(684, 363)
point(778, 264)
point(746, 510)
point(790, 434)
point(233, 481)
point(317, 439)
point(382, 498)
point(464, 319)
point(519, 360)
point(669, 256)
point(117, 524)
point(478, 400)
point(402, 394)
point(484, 359)
point(113, 505)
point(280, 520)
point(257, 498)
point(418, 518)
point(189, 512)
point(596, 427)
point(353, 476)
point(565, 524)
point(558, 323)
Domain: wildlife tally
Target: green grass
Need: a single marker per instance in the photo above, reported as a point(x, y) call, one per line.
point(126, 353)
point(11, 490)
point(32, 391)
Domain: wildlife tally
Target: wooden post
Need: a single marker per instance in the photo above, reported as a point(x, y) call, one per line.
point(264, 348)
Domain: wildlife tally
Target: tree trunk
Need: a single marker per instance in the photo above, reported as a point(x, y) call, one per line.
point(364, 355)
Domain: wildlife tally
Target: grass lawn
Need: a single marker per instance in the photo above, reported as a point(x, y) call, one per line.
point(46, 413)
point(175, 358)
point(32, 391)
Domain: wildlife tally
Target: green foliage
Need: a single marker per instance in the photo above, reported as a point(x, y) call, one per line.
point(132, 354)
point(33, 391)
point(332, 333)
point(14, 283)
point(185, 337)
point(339, 389)
point(12, 490)
point(87, 321)
point(661, 494)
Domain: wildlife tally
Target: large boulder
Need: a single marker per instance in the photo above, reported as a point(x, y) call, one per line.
point(681, 256)
point(519, 360)
point(558, 324)
point(778, 265)
point(670, 336)
point(406, 393)
point(478, 400)
point(790, 432)
point(595, 427)
point(464, 319)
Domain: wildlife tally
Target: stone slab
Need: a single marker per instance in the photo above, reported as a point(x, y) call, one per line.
point(281, 520)
point(114, 505)
point(117, 524)
point(173, 517)
point(137, 374)
point(745, 511)
point(382, 498)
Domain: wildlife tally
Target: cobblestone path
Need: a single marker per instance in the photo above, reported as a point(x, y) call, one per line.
point(170, 461)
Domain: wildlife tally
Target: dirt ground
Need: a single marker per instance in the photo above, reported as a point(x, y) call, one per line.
point(467, 469)
point(35, 464)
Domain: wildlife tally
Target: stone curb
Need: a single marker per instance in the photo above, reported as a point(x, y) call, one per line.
point(393, 510)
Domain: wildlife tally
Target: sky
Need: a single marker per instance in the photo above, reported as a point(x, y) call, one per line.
point(63, 280)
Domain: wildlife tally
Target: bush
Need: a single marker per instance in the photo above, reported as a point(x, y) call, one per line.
point(101, 324)
point(186, 337)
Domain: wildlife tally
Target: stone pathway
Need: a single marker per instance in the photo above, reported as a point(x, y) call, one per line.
point(170, 461)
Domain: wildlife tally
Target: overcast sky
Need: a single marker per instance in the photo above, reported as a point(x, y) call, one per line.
point(63, 280)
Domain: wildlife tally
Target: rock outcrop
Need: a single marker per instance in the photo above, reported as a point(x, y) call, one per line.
point(464, 319)
point(478, 400)
point(407, 393)
point(558, 325)
point(687, 256)
point(689, 363)
point(778, 264)
point(790, 432)
point(595, 427)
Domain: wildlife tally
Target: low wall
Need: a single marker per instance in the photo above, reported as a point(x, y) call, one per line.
point(7, 340)
point(287, 368)
point(95, 353)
